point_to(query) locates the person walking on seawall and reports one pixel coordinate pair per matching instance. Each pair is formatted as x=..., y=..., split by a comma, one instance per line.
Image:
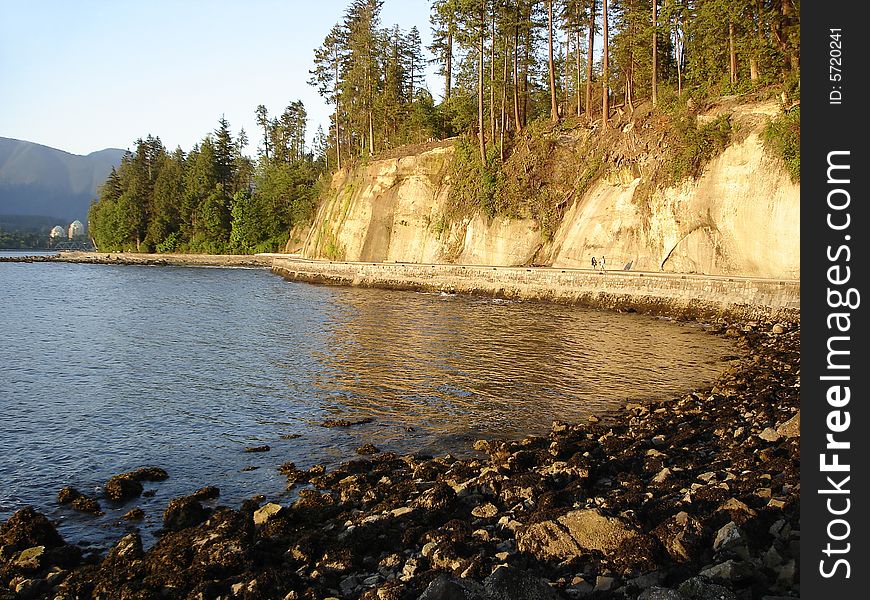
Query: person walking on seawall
x=594, y=263
x=603, y=262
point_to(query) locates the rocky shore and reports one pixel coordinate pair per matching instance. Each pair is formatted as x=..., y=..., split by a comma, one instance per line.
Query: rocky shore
x=694, y=498
x=135, y=258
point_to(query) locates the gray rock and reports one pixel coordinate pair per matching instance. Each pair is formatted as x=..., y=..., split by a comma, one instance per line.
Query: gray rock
x=445, y=587
x=508, y=583
x=729, y=538
x=604, y=583
x=659, y=593
x=698, y=588
x=728, y=571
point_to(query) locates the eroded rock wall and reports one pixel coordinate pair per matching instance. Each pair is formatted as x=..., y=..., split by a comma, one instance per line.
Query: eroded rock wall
x=740, y=217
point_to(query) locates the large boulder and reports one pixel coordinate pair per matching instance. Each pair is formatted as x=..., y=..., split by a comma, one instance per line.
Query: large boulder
x=584, y=531
x=28, y=528
x=184, y=512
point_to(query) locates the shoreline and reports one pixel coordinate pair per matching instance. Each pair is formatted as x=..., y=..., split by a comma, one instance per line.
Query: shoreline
x=683, y=499
x=683, y=296
x=690, y=498
x=134, y=258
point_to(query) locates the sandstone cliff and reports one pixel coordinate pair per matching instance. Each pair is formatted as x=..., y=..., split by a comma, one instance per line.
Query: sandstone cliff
x=741, y=216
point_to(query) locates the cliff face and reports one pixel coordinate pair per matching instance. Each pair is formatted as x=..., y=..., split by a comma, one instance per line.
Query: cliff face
x=740, y=217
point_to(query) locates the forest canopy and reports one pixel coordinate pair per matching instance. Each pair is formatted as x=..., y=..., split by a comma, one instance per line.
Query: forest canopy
x=505, y=64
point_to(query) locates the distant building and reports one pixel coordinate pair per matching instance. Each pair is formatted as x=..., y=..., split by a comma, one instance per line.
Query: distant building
x=56, y=232
x=76, y=229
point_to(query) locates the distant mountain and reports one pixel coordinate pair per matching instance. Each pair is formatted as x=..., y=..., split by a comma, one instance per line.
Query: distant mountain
x=36, y=180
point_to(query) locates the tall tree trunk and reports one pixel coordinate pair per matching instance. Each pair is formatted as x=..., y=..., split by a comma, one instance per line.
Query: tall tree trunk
x=502, y=124
x=337, y=122
x=449, y=66
x=516, y=79
x=577, y=60
x=605, y=74
x=480, y=132
x=526, y=61
x=554, y=103
x=655, y=53
x=590, y=59
x=492, y=78
x=754, y=70
x=567, y=84
x=732, y=53
x=371, y=134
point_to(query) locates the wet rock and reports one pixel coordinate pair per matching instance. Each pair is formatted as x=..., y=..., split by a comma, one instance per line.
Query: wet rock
x=29, y=588
x=183, y=512
x=135, y=514
x=209, y=492
x=366, y=449
x=78, y=501
x=27, y=528
x=263, y=448
x=122, y=487
x=149, y=474
x=330, y=423
x=438, y=497
x=128, y=548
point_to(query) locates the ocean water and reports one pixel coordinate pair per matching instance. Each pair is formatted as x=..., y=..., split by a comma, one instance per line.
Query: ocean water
x=104, y=369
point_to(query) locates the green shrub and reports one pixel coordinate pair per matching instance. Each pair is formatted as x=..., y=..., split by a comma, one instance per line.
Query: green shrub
x=782, y=136
x=694, y=146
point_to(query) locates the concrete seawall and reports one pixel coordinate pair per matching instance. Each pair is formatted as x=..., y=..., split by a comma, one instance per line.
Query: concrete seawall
x=676, y=295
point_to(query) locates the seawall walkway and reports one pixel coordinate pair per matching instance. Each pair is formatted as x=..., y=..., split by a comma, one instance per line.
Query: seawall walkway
x=673, y=294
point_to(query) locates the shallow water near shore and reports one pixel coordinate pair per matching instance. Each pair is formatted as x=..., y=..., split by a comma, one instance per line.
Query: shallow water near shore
x=109, y=368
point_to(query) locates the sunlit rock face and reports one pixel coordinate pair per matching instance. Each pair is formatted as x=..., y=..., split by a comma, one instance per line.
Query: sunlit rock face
x=740, y=217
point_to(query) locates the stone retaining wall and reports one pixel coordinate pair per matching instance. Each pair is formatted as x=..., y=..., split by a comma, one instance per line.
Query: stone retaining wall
x=682, y=296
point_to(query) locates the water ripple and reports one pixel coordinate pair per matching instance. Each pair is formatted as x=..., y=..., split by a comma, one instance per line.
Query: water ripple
x=106, y=369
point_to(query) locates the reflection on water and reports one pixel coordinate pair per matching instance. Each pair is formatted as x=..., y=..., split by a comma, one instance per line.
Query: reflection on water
x=109, y=368
x=471, y=366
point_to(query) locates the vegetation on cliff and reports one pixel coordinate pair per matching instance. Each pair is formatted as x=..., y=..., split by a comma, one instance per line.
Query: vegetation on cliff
x=212, y=199
x=519, y=79
x=506, y=65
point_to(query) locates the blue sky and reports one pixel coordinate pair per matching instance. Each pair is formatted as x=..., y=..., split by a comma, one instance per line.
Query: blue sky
x=85, y=75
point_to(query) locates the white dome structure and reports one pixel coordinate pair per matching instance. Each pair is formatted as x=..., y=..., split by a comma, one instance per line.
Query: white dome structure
x=56, y=232
x=76, y=229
